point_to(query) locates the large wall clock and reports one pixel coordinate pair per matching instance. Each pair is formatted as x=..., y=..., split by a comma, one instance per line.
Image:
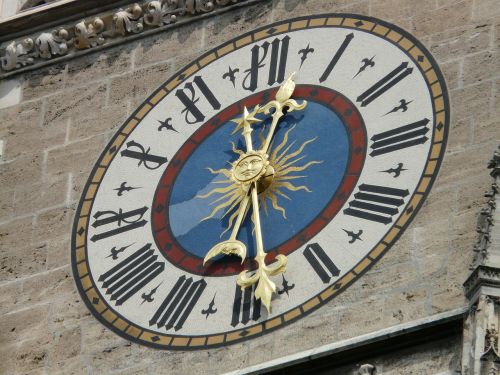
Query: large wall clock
x=353, y=154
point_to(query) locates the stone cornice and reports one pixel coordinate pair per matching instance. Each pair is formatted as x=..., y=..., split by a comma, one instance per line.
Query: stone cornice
x=65, y=40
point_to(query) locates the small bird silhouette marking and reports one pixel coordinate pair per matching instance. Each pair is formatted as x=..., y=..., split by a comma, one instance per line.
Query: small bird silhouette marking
x=354, y=236
x=304, y=52
x=231, y=75
x=286, y=286
x=114, y=251
x=148, y=297
x=123, y=188
x=166, y=125
x=210, y=309
x=366, y=63
x=397, y=171
x=403, y=107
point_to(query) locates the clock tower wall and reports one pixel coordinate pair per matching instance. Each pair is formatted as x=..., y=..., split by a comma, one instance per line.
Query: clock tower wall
x=61, y=105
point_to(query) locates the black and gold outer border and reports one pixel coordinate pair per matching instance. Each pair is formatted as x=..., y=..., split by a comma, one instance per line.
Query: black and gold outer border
x=391, y=33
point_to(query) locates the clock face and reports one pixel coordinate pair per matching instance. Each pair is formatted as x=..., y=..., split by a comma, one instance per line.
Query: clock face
x=337, y=185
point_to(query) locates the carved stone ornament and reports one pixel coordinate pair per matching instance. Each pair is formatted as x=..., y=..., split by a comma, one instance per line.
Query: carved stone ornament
x=367, y=369
x=105, y=29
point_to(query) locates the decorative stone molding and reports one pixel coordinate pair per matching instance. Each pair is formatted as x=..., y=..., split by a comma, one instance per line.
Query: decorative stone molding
x=367, y=369
x=105, y=30
x=481, y=327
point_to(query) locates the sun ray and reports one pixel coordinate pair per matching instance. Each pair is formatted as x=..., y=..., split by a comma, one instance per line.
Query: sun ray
x=221, y=190
x=220, y=207
x=282, y=144
x=236, y=150
x=295, y=153
x=301, y=168
x=292, y=187
x=225, y=172
x=276, y=206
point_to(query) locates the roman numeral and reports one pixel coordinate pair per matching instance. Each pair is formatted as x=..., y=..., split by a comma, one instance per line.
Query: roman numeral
x=245, y=306
x=396, y=139
x=137, y=151
x=336, y=57
x=277, y=63
x=178, y=304
x=321, y=262
x=191, y=110
x=376, y=203
x=132, y=274
x=124, y=221
x=384, y=84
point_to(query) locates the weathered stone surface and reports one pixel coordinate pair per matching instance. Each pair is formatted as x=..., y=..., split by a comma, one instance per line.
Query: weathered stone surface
x=24, y=324
x=24, y=170
x=58, y=285
x=489, y=63
x=472, y=101
x=53, y=223
x=436, y=20
x=45, y=81
x=461, y=134
x=65, y=346
x=34, y=197
x=69, y=312
x=485, y=9
x=165, y=46
x=21, y=261
x=76, y=102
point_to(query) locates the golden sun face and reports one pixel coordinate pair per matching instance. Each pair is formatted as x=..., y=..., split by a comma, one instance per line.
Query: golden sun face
x=283, y=160
x=248, y=167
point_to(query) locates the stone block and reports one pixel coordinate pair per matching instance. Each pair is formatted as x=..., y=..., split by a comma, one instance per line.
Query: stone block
x=9, y=297
x=6, y=204
x=471, y=193
x=34, y=197
x=32, y=354
x=98, y=339
x=24, y=170
x=437, y=209
x=452, y=72
x=66, y=346
x=74, y=366
x=58, y=284
x=138, y=84
x=487, y=130
x=386, y=278
x=392, y=10
x=69, y=312
x=232, y=24
x=58, y=252
x=485, y=9
x=16, y=234
x=96, y=123
x=480, y=67
x=24, y=325
x=472, y=101
x=166, y=45
x=112, y=359
x=99, y=66
x=461, y=165
x=21, y=261
x=432, y=248
x=8, y=355
x=405, y=306
x=454, y=43
x=53, y=223
x=460, y=135
x=45, y=81
x=433, y=21
x=77, y=102
x=10, y=92
x=370, y=311
x=294, y=8
x=77, y=157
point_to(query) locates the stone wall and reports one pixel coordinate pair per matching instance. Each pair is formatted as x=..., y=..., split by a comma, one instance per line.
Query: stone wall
x=68, y=112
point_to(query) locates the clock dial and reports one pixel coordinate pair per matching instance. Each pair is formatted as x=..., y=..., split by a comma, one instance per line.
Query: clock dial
x=339, y=183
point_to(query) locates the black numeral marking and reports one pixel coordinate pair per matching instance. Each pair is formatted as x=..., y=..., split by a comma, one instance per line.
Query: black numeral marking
x=131, y=275
x=137, y=151
x=245, y=306
x=277, y=63
x=191, y=110
x=384, y=84
x=321, y=262
x=178, y=304
x=336, y=57
x=376, y=203
x=396, y=139
x=124, y=221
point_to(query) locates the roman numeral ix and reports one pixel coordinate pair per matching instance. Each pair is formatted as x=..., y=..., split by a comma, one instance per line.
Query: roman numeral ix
x=396, y=139
x=131, y=275
x=178, y=304
x=376, y=203
x=321, y=262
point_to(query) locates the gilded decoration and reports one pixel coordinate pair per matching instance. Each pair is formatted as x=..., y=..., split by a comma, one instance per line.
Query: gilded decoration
x=103, y=30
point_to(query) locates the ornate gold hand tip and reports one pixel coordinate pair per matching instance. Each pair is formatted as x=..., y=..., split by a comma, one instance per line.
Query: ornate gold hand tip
x=286, y=89
x=229, y=247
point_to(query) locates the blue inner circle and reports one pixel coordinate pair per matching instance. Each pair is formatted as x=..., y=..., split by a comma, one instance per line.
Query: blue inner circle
x=331, y=147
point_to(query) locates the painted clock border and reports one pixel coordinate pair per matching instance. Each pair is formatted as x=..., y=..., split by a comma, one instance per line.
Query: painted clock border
x=440, y=103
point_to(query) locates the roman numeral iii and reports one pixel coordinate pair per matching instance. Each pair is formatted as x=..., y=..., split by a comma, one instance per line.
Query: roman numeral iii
x=376, y=203
x=131, y=275
x=396, y=139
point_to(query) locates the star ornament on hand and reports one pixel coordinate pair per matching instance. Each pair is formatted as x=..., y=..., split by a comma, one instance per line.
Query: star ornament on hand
x=247, y=120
